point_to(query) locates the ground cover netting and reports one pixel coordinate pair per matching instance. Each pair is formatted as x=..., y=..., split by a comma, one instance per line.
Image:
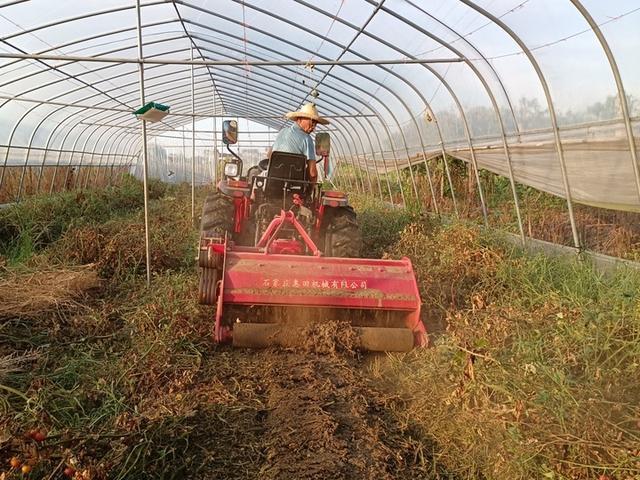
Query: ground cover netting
x=532, y=373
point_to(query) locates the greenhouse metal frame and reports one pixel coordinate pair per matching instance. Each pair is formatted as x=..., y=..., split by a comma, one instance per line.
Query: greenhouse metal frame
x=544, y=93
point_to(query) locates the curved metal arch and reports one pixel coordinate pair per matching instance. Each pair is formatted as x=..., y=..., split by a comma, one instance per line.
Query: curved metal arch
x=486, y=62
x=552, y=112
x=497, y=112
x=359, y=120
x=44, y=156
x=359, y=138
x=367, y=105
x=132, y=72
x=60, y=150
x=91, y=164
x=400, y=100
x=118, y=135
x=9, y=143
x=112, y=132
x=460, y=108
x=82, y=153
x=239, y=83
x=29, y=147
x=72, y=153
x=622, y=96
x=343, y=179
x=132, y=154
x=320, y=56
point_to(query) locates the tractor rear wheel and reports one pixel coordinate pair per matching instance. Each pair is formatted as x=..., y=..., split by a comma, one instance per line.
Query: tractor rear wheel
x=217, y=216
x=343, y=237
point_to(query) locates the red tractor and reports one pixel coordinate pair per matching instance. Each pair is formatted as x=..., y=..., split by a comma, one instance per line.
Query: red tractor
x=277, y=252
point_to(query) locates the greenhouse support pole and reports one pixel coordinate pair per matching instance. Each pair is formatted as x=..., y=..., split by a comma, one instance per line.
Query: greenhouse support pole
x=341, y=179
x=183, y=165
x=193, y=144
x=373, y=152
x=61, y=148
x=101, y=156
x=373, y=157
x=116, y=139
x=395, y=163
x=114, y=147
x=344, y=179
x=44, y=157
x=73, y=172
x=214, y=175
x=552, y=112
x=144, y=147
x=347, y=148
x=622, y=96
x=93, y=165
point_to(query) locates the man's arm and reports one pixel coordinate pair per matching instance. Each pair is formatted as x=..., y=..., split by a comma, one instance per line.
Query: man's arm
x=313, y=171
x=311, y=159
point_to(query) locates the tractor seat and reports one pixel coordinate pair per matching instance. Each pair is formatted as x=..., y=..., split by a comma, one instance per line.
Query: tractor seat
x=286, y=168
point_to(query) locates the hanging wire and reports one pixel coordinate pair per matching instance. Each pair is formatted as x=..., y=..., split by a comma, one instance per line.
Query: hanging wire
x=333, y=21
x=309, y=67
x=533, y=48
x=468, y=34
x=568, y=37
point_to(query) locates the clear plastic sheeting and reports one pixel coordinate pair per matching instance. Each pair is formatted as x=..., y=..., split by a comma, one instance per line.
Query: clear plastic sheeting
x=544, y=92
x=597, y=159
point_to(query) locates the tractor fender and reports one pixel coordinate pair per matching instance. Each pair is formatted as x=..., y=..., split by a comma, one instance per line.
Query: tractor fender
x=234, y=188
x=334, y=199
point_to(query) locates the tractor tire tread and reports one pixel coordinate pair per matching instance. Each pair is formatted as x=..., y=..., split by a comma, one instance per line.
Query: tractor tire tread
x=217, y=215
x=344, y=238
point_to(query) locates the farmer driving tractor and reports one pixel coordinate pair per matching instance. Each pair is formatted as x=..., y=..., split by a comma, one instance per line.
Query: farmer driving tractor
x=296, y=137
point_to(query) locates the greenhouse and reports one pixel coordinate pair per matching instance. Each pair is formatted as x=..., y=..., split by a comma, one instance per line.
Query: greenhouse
x=509, y=119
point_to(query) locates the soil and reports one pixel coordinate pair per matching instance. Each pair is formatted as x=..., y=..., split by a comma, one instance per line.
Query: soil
x=308, y=415
x=309, y=412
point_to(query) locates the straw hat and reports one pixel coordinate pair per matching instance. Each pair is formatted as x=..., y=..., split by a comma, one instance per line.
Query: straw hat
x=308, y=110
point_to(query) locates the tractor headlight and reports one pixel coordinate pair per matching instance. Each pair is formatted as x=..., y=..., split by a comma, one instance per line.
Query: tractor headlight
x=231, y=169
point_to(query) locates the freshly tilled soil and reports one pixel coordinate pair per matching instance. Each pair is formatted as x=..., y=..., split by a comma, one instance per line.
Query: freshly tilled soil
x=309, y=414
